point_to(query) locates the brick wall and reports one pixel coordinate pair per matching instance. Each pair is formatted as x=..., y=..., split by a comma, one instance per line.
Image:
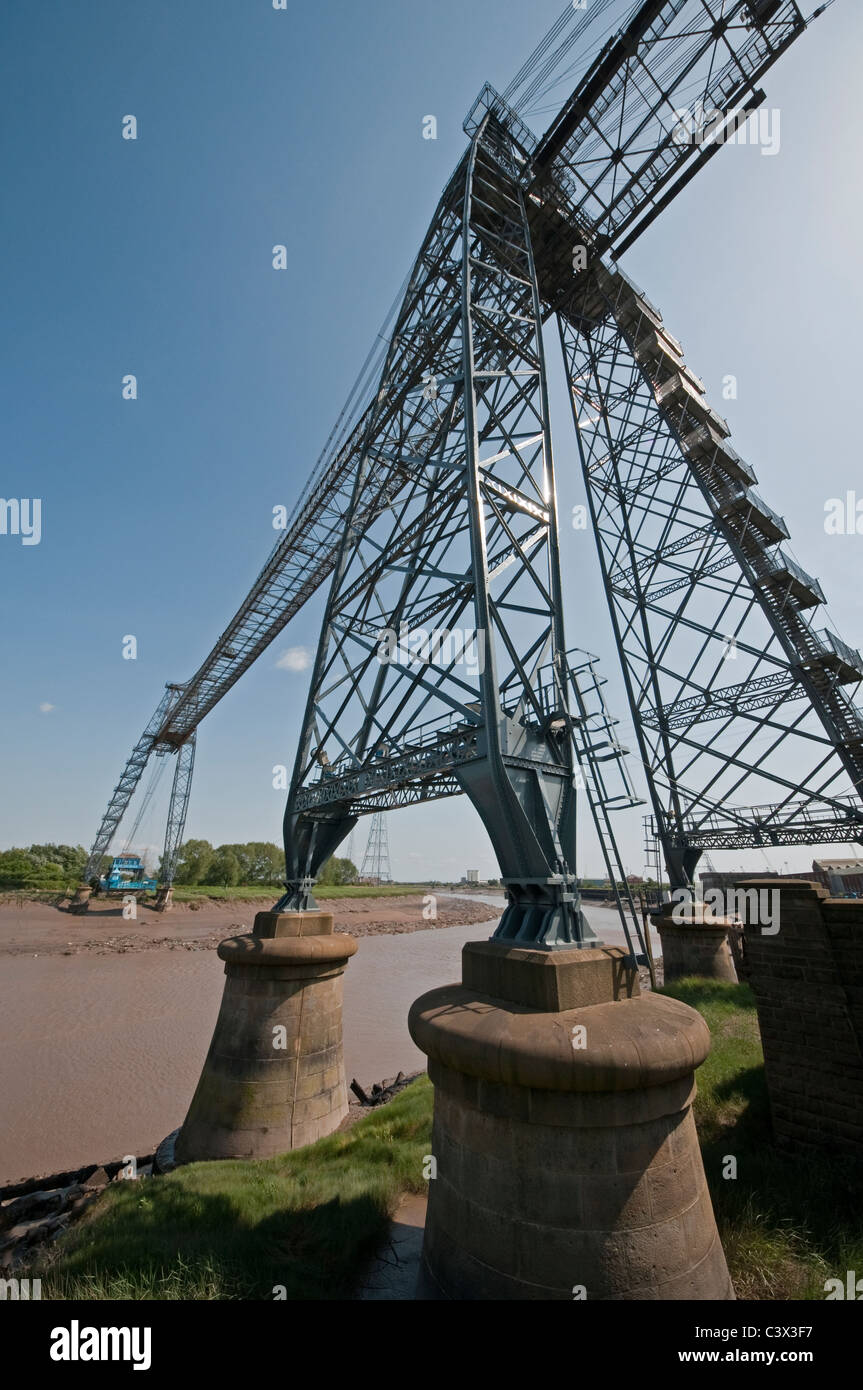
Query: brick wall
x=808, y=984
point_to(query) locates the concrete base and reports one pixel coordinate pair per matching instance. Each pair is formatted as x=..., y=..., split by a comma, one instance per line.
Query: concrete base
x=164, y=900
x=81, y=900
x=274, y=1077
x=700, y=948
x=567, y=1160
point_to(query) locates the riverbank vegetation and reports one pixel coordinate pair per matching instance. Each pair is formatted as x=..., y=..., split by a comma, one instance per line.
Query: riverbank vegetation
x=323, y=892
x=302, y=1223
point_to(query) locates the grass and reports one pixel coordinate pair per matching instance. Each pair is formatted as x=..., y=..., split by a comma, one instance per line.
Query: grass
x=787, y=1223
x=238, y=1230
x=204, y=892
x=308, y=1220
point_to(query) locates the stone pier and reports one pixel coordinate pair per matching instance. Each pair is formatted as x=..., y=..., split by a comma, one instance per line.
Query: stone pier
x=164, y=900
x=274, y=1078
x=697, y=946
x=81, y=899
x=567, y=1162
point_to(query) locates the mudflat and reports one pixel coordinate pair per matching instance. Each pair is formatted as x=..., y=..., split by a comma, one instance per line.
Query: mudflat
x=43, y=928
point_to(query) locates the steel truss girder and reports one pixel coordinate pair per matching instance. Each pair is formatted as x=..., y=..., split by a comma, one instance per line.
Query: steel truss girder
x=406, y=794
x=662, y=483
x=764, y=692
x=616, y=155
x=810, y=833
x=475, y=498
x=755, y=827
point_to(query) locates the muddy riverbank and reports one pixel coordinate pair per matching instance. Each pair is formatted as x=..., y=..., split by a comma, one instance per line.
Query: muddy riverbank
x=102, y=1050
x=38, y=928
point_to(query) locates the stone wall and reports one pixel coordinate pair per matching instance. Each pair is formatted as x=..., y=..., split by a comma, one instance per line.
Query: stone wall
x=695, y=948
x=808, y=983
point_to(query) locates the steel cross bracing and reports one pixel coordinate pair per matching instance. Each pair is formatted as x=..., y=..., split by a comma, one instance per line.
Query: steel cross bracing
x=617, y=152
x=445, y=613
x=179, y=806
x=610, y=160
x=127, y=784
x=735, y=696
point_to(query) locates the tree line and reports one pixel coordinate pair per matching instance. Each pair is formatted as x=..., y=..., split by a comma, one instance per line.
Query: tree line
x=48, y=864
x=258, y=862
x=200, y=863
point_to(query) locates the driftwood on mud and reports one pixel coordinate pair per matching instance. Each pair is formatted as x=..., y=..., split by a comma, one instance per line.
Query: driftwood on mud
x=382, y=1091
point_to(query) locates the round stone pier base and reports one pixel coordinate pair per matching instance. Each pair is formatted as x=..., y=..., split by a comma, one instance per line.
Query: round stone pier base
x=164, y=900
x=274, y=1078
x=567, y=1163
x=696, y=948
x=81, y=899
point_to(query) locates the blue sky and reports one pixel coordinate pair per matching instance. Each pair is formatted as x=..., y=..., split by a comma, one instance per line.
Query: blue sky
x=153, y=257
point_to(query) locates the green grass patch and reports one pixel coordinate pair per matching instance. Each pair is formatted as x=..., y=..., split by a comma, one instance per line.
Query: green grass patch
x=238, y=1230
x=787, y=1223
x=368, y=890
x=204, y=893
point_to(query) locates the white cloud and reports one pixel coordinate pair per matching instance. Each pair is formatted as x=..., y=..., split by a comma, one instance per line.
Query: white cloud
x=45, y=707
x=295, y=659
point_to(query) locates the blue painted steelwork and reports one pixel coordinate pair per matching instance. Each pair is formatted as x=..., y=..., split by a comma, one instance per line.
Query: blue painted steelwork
x=127, y=875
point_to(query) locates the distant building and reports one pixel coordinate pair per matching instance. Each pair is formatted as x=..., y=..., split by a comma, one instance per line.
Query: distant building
x=726, y=880
x=841, y=877
x=472, y=876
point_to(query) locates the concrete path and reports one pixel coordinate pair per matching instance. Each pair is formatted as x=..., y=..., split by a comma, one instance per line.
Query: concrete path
x=392, y=1273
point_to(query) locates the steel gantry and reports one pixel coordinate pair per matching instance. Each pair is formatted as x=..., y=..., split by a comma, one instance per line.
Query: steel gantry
x=442, y=665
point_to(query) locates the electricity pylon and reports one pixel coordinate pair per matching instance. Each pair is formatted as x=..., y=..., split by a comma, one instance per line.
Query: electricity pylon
x=376, y=860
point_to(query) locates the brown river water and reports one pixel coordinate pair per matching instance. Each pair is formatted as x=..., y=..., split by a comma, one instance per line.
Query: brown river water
x=101, y=1053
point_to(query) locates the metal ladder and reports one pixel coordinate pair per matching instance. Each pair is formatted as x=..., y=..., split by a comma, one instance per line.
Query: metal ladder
x=599, y=752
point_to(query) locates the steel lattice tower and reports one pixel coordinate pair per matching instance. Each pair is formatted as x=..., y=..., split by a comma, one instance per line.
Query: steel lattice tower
x=442, y=661
x=376, y=860
x=745, y=725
